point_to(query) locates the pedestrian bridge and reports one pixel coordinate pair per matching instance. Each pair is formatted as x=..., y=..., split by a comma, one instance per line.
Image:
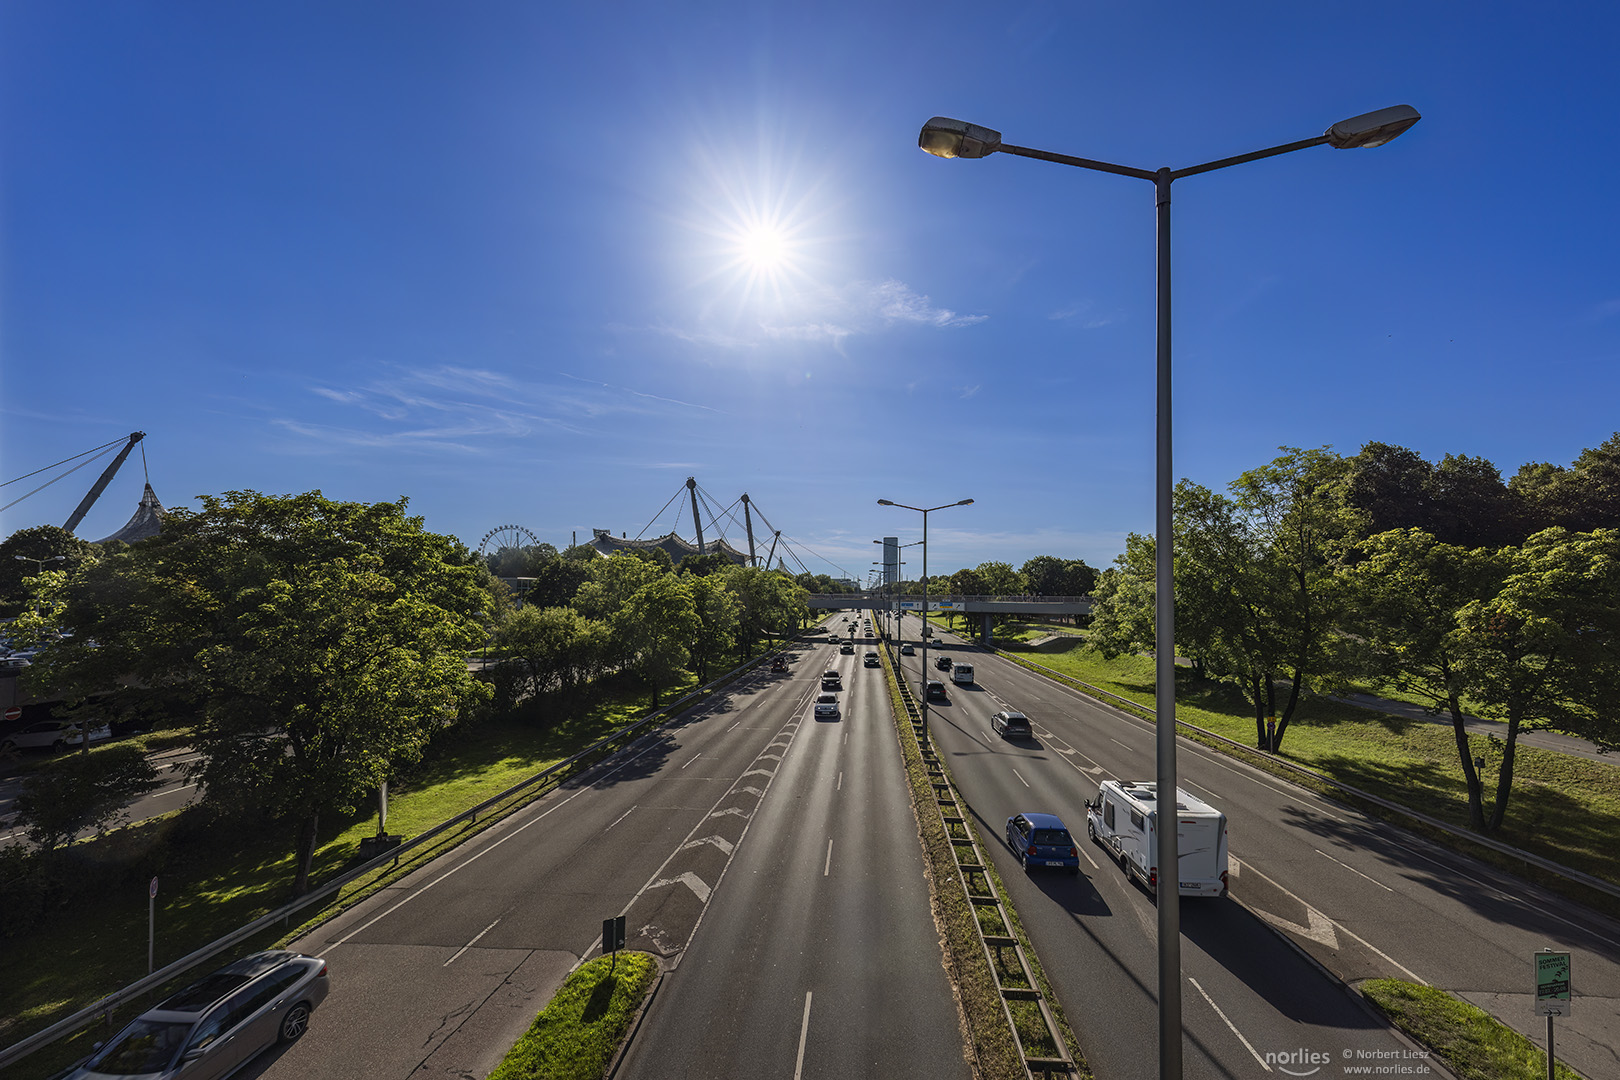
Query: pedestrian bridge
x=990, y=605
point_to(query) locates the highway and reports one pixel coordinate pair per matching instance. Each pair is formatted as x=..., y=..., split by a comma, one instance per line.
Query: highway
x=783, y=843
x=1361, y=898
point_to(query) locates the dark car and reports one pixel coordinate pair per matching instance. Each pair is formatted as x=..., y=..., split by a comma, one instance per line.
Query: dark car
x=871, y=660
x=1042, y=840
x=943, y=663
x=216, y=1025
x=935, y=691
x=908, y=649
x=779, y=664
x=831, y=680
x=1011, y=725
x=848, y=647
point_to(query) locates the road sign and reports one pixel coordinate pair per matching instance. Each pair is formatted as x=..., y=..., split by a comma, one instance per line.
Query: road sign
x=151, y=890
x=1552, y=984
x=14, y=713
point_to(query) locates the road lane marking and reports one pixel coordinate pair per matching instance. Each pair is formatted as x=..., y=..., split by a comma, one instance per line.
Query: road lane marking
x=1021, y=780
x=620, y=818
x=1229, y=1024
x=1116, y=742
x=694, y=758
x=173, y=791
x=840, y=781
x=734, y=727
x=1202, y=788
x=1353, y=870
x=1339, y=926
x=470, y=944
x=825, y=870
x=1081, y=849
x=699, y=887
x=804, y=1030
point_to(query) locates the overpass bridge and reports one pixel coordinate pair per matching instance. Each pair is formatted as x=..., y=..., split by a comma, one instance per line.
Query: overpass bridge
x=986, y=606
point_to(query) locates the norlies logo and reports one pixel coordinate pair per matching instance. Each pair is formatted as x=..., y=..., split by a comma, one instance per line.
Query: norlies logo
x=1314, y=1059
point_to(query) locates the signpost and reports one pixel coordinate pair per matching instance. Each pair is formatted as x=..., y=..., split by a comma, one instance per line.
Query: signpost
x=1552, y=993
x=613, y=939
x=14, y=713
x=151, y=921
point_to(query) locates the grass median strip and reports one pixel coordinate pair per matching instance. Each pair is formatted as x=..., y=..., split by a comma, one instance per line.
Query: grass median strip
x=1473, y=1044
x=577, y=1034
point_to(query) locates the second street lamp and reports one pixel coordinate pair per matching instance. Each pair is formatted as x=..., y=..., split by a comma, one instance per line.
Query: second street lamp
x=924, y=513
x=947, y=138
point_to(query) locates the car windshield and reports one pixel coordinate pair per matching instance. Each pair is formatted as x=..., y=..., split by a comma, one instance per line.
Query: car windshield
x=1051, y=836
x=146, y=1046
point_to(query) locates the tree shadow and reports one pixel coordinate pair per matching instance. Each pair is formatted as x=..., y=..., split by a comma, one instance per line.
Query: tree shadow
x=596, y=1006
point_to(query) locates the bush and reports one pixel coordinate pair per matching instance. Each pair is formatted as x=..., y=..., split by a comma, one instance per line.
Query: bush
x=29, y=888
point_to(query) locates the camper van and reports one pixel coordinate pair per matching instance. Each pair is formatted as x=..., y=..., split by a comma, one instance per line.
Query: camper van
x=1125, y=820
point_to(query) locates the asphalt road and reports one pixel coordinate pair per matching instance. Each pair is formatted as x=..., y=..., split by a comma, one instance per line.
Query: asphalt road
x=1361, y=898
x=175, y=793
x=440, y=974
x=820, y=958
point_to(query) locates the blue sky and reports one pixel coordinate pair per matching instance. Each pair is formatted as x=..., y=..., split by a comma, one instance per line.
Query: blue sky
x=538, y=263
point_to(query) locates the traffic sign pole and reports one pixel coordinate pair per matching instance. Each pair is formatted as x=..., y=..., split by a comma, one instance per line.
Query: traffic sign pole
x=1552, y=993
x=151, y=922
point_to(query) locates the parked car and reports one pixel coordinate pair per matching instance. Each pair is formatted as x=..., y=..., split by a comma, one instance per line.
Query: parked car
x=826, y=706
x=908, y=649
x=871, y=660
x=1010, y=725
x=218, y=1024
x=52, y=735
x=1042, y=840
x=935, y=691
x=943, y=663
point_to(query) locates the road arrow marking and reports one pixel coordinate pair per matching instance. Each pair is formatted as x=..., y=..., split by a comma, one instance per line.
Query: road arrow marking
x=1320, y=929
x=718, y=841
x=691, y=881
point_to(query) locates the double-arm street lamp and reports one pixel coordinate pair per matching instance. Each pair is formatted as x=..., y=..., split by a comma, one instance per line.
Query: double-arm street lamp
x=948, y=138
x=40, y=563
x=925, y=513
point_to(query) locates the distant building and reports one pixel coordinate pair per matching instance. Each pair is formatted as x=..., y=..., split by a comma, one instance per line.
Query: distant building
x=147, y=520
x=677, y=549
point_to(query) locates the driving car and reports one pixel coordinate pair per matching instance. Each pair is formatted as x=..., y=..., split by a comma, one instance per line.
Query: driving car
x=1011, y=724
x=831, y=680
x=218, y=1024
x=935, y=691
x=943, y=663
x=871, y=660
x=1042, y=840
x=908, y=650
x=779, y=664
x=827, y=705
x=847, y=647
x=52, y=735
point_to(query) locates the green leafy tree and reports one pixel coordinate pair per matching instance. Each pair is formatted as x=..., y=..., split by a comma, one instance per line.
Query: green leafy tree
x=556, y=648
x=658, y=625
x=320, y=643
x=556, y=581
x=1122, y=614
x=82, y=792
x=704, y=565
x=28, y=552
x=1406, y=596
x=717, y=613
x=1544, y=652
x=771, y=604
x=606, y=594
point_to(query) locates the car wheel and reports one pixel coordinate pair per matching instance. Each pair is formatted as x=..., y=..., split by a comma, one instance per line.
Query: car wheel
x=1024, y=858
x=294, y=1024
x=1091, y=832
x=58, y=746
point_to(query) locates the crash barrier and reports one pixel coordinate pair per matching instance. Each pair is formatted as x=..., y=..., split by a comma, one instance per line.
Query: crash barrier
x=1529, y=858
x=973, y=876
x=587, y=757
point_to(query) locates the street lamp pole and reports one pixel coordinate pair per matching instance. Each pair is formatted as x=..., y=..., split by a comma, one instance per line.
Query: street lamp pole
x=40, y=563
x=944, y=137
x=925, y=513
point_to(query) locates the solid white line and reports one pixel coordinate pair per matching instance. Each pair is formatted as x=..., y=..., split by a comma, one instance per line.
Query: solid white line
x=1353, y=870
x=1337, y=925
x=694, y=758
x=173, y=791
x=1082, y=850
x=1229, y=1024
x=620, y=818
x=470, y=944
x=1116, y=742
x=825, y=870
x=1202, y=788
x=1021, y=780
x=804, y=1030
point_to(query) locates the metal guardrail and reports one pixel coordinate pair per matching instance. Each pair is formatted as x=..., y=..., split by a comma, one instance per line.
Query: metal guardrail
x=68, y=1025
x=1530, y=858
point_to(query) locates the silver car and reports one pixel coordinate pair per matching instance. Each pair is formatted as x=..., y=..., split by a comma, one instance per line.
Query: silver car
x=217, y=1025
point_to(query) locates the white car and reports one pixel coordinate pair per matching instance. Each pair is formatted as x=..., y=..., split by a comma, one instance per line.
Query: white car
x=53, y=735
x=827, y=706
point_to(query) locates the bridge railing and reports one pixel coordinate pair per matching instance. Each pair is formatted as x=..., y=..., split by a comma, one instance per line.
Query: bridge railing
x=936, y=598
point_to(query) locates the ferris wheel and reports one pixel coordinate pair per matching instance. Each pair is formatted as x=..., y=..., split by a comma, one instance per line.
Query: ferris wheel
x=507, y=538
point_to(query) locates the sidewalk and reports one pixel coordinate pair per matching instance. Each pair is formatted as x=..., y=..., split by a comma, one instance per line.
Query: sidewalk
x=1545, y=740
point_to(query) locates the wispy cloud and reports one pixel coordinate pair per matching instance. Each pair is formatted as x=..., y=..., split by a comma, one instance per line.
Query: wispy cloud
x=969, y=391
x=1083, y=312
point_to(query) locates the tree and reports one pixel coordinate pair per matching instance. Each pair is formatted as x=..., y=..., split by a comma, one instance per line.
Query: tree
x=555, y=647
x=322, y=644
x=657, y=625
x=83, y=792
x=1393, y=486
x=1122, y=613
x=770, y=604
x=556, y=581
x=613, y=581
x=1406, y=595
x=1472, y=506
x=43, y=542
x=1544, y=652
x=715, y=635
x=1581, y=498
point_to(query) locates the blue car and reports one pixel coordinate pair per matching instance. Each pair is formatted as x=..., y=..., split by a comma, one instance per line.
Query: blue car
x=1042, y=840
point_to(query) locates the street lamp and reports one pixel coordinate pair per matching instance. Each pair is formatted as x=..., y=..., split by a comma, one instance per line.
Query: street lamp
x=924, y=542
x=947, y=138
x=40, y=563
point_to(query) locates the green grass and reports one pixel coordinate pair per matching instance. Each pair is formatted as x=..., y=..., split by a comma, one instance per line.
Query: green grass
x=576, y=1036
x=1474, y=1045
x=1562, y=807
x=213, y=883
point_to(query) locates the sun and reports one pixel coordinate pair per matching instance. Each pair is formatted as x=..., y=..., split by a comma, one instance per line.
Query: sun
x=763, y=247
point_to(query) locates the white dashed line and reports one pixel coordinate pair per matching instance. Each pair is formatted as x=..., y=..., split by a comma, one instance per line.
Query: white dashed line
x=825, y=870
x=1229, y=1024
x=1021, y=780
x=470, y=944
x=804, y=1030
x=695, y=757
x=1353, y=870
x=620, y=818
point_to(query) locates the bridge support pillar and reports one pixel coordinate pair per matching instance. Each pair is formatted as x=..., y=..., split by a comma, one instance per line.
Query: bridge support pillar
x=985, y=634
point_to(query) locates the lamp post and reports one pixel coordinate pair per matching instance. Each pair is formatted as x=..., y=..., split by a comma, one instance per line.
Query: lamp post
x=947, y=138
x=894, y=583
x=924, y=542
x=40, y=563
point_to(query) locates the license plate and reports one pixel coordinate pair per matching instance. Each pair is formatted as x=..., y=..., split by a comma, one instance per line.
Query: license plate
x=1053, y=862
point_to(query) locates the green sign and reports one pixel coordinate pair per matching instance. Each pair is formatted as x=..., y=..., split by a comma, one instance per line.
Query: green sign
x=1552, y=983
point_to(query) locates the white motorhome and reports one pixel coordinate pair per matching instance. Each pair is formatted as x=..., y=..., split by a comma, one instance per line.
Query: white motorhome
x=1125, y=820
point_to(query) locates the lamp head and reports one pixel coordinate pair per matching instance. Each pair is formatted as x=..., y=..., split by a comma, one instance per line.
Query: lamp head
x=883, y=502
x=947, y=138
x=965, y=502
x=1372, y=129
